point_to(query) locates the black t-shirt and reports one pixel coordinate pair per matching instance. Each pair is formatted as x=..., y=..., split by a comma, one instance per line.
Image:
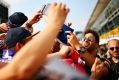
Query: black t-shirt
x=113, y=70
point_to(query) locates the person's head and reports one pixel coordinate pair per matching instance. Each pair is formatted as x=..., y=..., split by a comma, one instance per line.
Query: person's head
x=91, y=39
x=102, y=49
x=113, y=48
x=17, y=19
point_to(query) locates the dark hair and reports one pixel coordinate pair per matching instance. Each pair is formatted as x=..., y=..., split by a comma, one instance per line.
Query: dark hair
x=94, y=33
x=17, y=18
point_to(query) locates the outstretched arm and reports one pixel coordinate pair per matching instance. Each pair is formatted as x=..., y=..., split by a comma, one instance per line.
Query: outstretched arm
x=28, y=24
x=27, y=61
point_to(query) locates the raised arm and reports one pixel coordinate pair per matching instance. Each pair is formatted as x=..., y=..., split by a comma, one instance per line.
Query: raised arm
x=98, y=69
x=27, y=61
x=36, y=17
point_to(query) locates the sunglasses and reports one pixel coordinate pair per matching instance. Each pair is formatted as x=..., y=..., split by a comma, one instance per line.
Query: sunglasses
x=112, y=48
x=89, y=39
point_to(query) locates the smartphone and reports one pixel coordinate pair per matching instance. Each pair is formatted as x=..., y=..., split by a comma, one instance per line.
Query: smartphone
x=62, y=37
x=45, y=9
x=42, y=8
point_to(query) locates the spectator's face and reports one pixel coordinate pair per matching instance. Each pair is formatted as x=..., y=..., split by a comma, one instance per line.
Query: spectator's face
x=102, y=49
x=113, y=47
x=89, y=41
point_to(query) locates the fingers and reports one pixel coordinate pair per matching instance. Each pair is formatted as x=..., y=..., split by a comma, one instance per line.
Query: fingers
x=57, y=14
x=54, y=4
x=69, y=24
x=61, y=6
x=69, y=37
x=2, y=30
x=67, y=10
x=4, y=27
x=96, y=65
x=39, y=15
x=97, y=61
x=36, y=18
x=69, y=33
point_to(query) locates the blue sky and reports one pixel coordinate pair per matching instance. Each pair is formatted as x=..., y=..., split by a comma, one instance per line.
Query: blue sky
x=80, y=11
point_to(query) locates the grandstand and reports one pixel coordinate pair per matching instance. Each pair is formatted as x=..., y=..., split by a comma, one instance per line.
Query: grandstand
x=105, y=18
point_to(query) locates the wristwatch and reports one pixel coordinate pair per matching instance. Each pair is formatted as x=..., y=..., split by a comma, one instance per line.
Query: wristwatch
x=82, y=50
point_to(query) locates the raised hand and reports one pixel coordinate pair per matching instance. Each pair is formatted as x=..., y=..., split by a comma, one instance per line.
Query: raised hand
x=4, y=27
x=57, y=15
x=72, y=40
x=96, y=65
x=35, y=18
x=98, y=69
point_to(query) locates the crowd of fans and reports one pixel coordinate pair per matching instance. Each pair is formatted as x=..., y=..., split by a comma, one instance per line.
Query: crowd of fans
x=23, y=56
